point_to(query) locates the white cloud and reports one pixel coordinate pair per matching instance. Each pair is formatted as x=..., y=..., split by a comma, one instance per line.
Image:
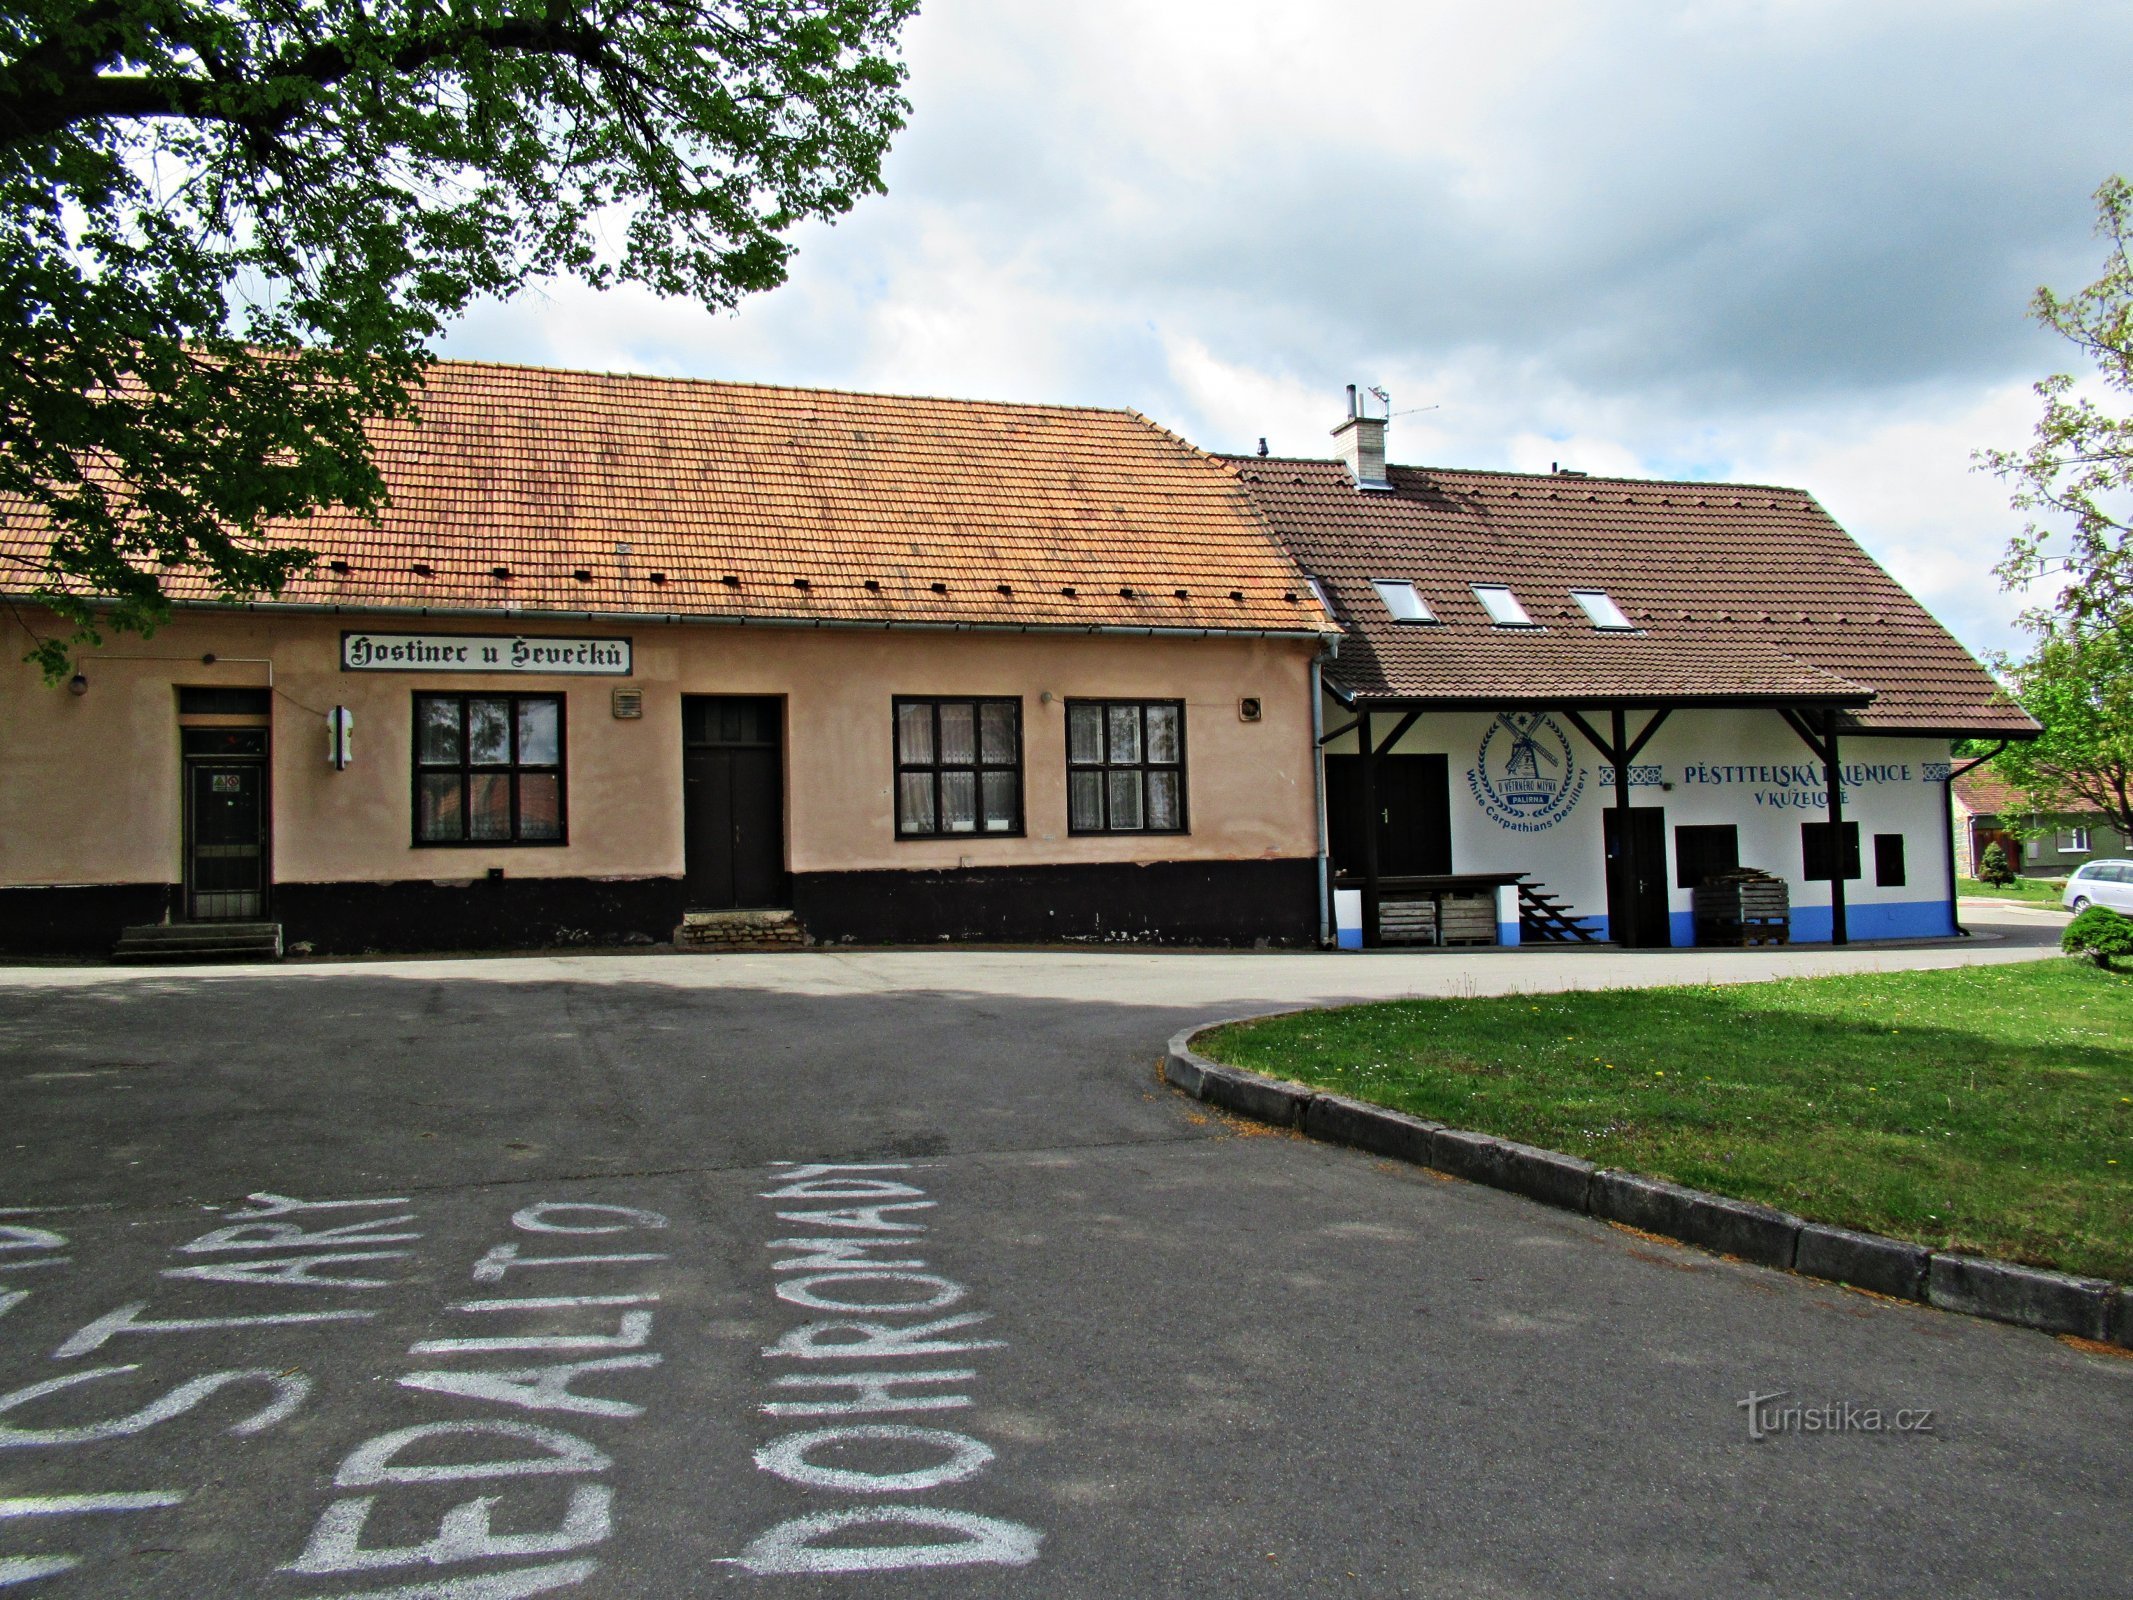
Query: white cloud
x=1768, y=239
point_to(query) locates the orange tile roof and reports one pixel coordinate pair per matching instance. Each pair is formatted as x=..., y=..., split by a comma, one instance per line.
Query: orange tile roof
x=1740, y=593
x=615, y=495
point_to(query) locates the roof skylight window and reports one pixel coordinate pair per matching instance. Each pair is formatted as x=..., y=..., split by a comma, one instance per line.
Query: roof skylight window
x=1600, y=606
x=1502, y=606
x=1403, y=600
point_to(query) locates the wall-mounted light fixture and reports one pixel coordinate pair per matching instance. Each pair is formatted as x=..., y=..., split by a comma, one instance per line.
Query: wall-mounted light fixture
x=340, y=738
x=78, y=684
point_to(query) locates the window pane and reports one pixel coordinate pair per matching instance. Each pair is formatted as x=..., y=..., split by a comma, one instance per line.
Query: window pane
x=437, y=807
x=1163, y=733
x=959, y=736
x=915, y=793
x=914, y=736
x=1085, y=734
x=489, y=805
x=959, y=802
x=437, y=732
x=489, y=732
x=1163, y=808
x=996, y=743
x=1085, y=800
x=539, y=733
x=540, y=805
x=999, y=802
x=1125, y=733
x=1125, y=800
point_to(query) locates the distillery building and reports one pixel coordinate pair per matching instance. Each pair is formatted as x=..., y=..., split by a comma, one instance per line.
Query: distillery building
x=1582, y=709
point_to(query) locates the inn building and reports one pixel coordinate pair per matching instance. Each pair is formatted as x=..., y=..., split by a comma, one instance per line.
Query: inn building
x=630, y=657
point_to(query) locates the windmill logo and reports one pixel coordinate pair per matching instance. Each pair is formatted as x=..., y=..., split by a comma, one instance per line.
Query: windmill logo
x=1526, y=775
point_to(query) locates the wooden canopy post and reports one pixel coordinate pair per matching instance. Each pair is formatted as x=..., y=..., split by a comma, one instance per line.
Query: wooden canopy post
x=1367, y=792
x=1821, y=742
x=1839, y=931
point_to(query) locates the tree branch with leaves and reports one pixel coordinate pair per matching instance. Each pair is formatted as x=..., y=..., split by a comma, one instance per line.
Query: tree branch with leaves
x=2075, y=478
x=231, y=231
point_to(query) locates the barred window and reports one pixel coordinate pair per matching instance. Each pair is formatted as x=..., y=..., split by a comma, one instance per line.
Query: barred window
x=958, y=766
x=488, y=769
x=1126, y=766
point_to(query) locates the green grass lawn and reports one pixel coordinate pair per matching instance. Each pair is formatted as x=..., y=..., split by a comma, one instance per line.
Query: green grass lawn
x=1985, y=1108
x=2042, y=890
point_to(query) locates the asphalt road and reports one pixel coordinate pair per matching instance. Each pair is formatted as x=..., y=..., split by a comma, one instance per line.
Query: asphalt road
x=1141, y=1352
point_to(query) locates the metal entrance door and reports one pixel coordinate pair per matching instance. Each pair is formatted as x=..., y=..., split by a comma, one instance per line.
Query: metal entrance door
x=1636, y=897
x=225, y=824
x=733, y=802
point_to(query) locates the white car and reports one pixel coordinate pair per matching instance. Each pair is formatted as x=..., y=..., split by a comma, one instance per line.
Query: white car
x=2100, y=883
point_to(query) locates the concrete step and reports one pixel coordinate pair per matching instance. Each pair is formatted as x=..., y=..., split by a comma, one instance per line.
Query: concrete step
x=200, y=941
x=739, y=930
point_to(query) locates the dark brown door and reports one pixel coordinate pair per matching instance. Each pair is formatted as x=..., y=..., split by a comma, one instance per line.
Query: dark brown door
x=1636, y=889
x=1414, y=819
x=733, y=802
x=225, y=824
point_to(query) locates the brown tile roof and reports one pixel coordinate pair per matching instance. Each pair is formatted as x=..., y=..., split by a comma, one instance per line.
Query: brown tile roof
x=1741, y=593
x=1984, y=793
x=616, y=495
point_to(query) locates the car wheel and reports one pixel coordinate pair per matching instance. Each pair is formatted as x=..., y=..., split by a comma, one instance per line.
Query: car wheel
x=2081, y=904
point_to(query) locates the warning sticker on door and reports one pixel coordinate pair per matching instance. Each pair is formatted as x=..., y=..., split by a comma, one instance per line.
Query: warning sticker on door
x=225, y=783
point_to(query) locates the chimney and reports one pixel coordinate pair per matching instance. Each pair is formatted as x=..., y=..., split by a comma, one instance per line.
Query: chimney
x=1362, y=446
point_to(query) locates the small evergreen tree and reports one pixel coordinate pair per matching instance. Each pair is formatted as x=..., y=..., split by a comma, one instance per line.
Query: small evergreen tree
x=1992, y=868
x=2099, y=933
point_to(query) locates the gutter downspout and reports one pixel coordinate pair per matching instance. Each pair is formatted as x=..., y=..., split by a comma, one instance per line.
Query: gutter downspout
x=1327, y=652
x=1947, y=822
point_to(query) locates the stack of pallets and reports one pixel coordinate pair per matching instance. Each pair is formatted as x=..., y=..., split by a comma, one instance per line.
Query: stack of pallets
x=1743, y=907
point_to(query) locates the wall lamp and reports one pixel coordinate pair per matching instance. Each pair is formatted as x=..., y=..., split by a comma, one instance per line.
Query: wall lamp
x=78, y=684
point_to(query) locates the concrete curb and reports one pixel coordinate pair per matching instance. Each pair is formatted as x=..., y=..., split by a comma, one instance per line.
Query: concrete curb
x=2028, y=1297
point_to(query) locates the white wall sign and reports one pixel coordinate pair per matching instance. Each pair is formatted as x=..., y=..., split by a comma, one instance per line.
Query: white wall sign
x=484, y=652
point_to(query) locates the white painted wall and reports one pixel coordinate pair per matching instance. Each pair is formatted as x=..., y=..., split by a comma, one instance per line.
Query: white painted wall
x=1747, y=768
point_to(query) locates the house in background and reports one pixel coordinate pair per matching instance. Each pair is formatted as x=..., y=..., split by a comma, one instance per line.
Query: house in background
x=629, y=655
x=2055, y=843
x=1595, y=694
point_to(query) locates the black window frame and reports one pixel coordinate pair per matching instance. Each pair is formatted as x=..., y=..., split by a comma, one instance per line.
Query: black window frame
x=1889, y=870
x=467, y=768
x=978, y=766
x=1816, y=850
x=1694, y=855
x=1143, y=766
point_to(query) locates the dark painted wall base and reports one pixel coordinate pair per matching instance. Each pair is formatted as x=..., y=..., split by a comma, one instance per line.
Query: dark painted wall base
x=1166, y=902
x=1169, y=902
x=83, y=921
x=487, y=914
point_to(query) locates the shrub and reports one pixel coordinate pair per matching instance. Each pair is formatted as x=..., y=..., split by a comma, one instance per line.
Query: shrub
x=2098, y=933
x=1992, y=867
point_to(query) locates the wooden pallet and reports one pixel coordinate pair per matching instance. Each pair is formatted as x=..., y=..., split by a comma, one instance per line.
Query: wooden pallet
x=1468, y=919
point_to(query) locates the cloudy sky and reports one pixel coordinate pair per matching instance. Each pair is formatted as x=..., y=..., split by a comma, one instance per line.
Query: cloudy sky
x=1779, y=241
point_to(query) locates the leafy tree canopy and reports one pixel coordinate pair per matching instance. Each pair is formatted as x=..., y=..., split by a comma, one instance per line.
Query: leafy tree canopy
x=2078, y=683
x=2077, y=473
x=232, y=229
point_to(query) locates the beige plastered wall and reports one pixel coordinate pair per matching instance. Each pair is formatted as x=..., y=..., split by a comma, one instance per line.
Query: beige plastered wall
x=90, y=784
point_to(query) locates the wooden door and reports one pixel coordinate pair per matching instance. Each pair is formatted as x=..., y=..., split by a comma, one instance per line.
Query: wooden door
x=1636, y=891
x=733, y=802
x=1414, y=820
x=225, y=824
